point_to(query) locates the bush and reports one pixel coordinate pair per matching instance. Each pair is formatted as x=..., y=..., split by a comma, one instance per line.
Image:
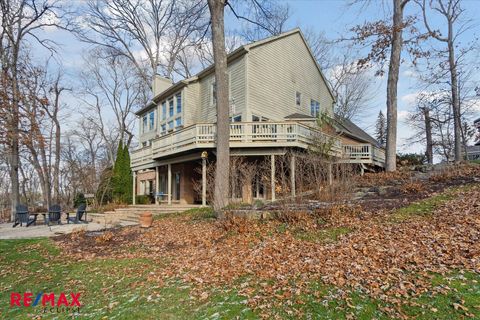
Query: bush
x=79, y=199
x=411, y=159
x=142, y=199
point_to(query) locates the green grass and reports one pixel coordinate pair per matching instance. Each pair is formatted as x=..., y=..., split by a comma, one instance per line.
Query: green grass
x=425, y=207
x=323, y=235
x=111, y=288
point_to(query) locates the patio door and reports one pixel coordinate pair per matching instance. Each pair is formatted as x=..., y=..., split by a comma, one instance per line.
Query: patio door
x=176, y=186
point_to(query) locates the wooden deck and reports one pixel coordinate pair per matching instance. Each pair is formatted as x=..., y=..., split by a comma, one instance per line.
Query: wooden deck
x=253, y=135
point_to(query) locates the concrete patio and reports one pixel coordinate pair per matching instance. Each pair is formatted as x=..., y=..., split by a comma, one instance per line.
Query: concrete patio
x=41, y=230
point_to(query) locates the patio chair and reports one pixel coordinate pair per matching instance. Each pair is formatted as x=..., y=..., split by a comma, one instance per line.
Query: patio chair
x=22, y=216
x=54, y=214
x=81, y=210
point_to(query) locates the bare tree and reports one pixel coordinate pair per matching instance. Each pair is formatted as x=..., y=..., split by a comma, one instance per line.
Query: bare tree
x=451, y=11
x=108, y=81
x=156, y=27
x=21, y=20
x=222, y=191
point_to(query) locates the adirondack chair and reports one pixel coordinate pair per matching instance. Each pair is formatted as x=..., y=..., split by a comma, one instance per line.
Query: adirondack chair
x=54, y=214
x=22, y=216
x=81, y=210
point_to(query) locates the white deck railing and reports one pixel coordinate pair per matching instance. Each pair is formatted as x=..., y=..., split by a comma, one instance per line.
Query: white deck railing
x=252, y=134
x=363, y=153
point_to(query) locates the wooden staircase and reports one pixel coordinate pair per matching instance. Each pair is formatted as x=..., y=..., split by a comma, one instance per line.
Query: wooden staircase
x=129, y=215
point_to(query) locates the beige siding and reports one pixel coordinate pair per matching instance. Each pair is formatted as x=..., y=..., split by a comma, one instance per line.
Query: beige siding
x=276, y=71
x=206, y=111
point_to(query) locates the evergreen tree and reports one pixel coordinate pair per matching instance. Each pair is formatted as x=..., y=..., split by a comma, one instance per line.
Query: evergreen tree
x=381, y=129
x=122, y=178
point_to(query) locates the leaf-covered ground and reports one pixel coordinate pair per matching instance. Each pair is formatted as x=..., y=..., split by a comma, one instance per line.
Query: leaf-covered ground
x=420, y=261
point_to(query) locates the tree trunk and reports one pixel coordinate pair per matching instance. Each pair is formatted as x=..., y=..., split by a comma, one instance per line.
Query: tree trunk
x=455, y=96
x=223, y=126
x=428, y=135
x=392, y=83
x=15, y=134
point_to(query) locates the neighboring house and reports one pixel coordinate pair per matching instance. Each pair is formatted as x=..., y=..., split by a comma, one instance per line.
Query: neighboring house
x=276, y=92
x=473, y=152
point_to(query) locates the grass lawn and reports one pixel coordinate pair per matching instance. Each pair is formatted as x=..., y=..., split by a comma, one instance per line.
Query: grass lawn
x=120, y=289
x=372, y=266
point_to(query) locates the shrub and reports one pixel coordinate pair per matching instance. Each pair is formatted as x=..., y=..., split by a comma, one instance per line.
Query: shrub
x=79, y=199
x=411, y=159
x=142, y=199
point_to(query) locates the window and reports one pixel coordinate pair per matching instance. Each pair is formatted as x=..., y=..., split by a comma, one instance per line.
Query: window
x=236, y=118
x=164, y=128
x=298, y=98
x=179, y=103
x=170, y=125
x=152, y=120
x=314, y=108
x=214, y=93
x=145, y=122
x=144, y=144
x=170, y=107
x=258, y=118
x=178, y=122
x=164, y=110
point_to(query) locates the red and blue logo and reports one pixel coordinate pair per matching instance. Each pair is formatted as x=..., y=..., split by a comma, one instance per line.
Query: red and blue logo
x=46, y=300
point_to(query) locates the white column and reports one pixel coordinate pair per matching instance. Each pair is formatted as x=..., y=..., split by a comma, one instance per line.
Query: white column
x=272, y=177
x=204, y=182
x=157, y=184
x=169, y=181
x=134, y=173
x=292, y=175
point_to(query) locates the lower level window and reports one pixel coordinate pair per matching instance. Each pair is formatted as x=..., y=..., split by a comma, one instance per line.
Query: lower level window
x=164, y=128
x=170, y=125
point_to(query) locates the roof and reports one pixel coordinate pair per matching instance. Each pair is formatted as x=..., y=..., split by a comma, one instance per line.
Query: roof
x=348, y=127
x=242, y=50
x=299, y=116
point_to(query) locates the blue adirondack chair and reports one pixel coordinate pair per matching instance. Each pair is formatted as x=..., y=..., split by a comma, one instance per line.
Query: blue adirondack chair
x=81, y=211
x=54, y=214
x=22, y=216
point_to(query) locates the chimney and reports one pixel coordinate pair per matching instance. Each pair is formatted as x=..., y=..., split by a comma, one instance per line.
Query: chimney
x=160, y=84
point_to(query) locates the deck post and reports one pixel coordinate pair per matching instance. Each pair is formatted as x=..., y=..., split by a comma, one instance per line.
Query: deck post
x=330, y=173
x=157, y=184
x=292, y=175
x=134, y=174
x=204, y=179
x=169, y=182
x=272, y=177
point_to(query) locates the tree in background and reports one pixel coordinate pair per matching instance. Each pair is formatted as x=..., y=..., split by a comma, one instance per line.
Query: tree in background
x=381, y=129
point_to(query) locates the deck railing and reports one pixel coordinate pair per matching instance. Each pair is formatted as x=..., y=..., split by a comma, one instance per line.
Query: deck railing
x=251, y=134
x=365, y=153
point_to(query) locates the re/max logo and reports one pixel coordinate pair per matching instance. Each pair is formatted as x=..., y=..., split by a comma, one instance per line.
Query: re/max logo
x=44, y=299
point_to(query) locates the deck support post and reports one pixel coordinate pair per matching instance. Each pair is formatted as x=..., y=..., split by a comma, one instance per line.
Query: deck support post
x=134, y=191
x=272, y=177
x=330, y=174
x=292, y=175
x=169, y=182
x=204, y=181
x=157, y=185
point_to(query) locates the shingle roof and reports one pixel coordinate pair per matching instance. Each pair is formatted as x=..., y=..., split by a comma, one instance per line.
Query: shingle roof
x=347, y=126
x=299, y=116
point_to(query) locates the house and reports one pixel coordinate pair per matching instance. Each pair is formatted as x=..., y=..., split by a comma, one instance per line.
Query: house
x=473, y=152
x=276, y=93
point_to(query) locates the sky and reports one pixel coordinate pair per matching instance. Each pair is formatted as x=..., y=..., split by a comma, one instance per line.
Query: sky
x=335, y=18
